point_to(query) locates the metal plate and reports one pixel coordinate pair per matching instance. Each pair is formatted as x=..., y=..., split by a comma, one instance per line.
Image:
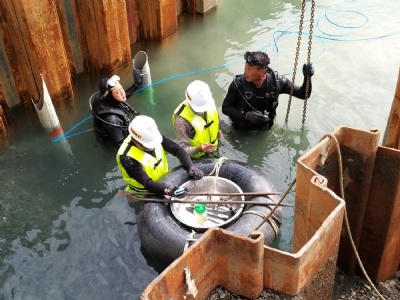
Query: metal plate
x=218, y=214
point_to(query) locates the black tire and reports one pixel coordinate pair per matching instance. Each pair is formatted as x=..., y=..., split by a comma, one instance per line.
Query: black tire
x=164, y=238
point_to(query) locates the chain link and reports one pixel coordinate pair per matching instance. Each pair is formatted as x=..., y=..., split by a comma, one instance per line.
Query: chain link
x=303, y=5
x=308, y=60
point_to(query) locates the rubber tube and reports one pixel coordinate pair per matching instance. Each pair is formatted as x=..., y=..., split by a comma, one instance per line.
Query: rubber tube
x=164, y=238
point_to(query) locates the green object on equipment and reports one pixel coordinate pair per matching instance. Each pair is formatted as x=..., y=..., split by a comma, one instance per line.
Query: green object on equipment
x=200, y=208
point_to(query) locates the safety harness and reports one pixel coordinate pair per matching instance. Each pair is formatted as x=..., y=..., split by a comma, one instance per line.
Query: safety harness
x=246, y=95
x=124, y=110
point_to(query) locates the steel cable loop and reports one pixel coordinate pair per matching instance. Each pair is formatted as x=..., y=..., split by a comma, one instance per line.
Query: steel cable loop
x=261, y=214
x=276, y=206
x=340, y=165
x=273, y=222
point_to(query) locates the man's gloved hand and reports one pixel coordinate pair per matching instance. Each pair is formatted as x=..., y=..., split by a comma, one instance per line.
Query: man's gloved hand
x=178, y=192
x=137, y=77
x=256, y=118
x=196, y=173
x=308, y=69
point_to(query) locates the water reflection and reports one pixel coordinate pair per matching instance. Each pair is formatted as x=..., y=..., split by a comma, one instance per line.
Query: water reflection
x=99, y=257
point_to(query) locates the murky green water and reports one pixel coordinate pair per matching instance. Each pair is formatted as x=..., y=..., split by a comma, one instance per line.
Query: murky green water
x=62, y=229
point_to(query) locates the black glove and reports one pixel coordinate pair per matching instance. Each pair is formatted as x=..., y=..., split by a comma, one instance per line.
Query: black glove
x=137, y=77
x=196, y=173
x=256, y=118
x=178, y=192
x=308, y=69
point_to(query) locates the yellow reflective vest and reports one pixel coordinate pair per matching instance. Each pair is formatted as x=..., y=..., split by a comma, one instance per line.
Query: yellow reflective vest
x=155, y=167
x=206, y=130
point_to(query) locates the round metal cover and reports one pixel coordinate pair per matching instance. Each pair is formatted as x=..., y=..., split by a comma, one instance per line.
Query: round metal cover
x=217, y=214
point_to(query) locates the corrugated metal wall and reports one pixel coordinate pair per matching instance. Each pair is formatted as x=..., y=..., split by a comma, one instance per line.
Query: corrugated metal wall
x=61, y=39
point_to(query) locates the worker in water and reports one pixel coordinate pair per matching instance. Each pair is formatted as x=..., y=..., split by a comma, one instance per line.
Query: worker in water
x=252, y=97
x=196, y=121
x=112, y=114
x=142, y=159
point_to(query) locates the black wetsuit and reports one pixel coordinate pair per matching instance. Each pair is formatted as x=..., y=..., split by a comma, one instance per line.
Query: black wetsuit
x=135, y=169
x=111, y=118
x=244, y=96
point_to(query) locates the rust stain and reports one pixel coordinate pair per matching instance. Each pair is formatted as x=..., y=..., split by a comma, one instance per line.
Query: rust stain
x=37, y=40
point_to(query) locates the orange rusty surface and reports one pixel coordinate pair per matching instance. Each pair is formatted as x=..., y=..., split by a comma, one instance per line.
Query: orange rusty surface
x=219, y=257
x=358, y=149
x=62, y=39
x=18, y=84
x=168, y=22
x=90, y=42
x=371, y=185
x=158, y=19
x=292, y=274
x=41, y=32
x=191, y=7
x=380, y=241
x=132, y=11
x=68, y=21
x=392, y=134
x=112, y=33
x=4, y=140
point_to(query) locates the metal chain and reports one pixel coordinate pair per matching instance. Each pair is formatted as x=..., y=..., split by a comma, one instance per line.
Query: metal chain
x=308, y=60
x=303, y=5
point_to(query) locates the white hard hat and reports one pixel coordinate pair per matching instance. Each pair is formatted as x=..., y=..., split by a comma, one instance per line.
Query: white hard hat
x=144, y=130
x=199, y=97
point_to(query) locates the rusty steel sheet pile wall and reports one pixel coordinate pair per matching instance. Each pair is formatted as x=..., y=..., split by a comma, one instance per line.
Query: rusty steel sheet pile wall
x=392, y=134
x=113, y=36
x=134, y=23
x=157, y=19
x=358, y=149
x=33, y=37
x=61, y=39
x=219, y=257
x=4, y=141
x=380, y=241
x=41, y=33
x=310, y=270
x=18, y=84
x=371, y=191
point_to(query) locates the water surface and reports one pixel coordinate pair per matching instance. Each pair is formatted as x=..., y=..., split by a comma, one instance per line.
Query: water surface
x=63, y=231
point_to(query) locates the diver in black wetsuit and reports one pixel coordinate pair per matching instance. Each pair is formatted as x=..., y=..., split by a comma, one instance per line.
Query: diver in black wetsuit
x=111, y=113
x=252, y=97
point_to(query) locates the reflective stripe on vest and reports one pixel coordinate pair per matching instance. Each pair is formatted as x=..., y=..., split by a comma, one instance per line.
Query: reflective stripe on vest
x=205, y=132
x=155, y=167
